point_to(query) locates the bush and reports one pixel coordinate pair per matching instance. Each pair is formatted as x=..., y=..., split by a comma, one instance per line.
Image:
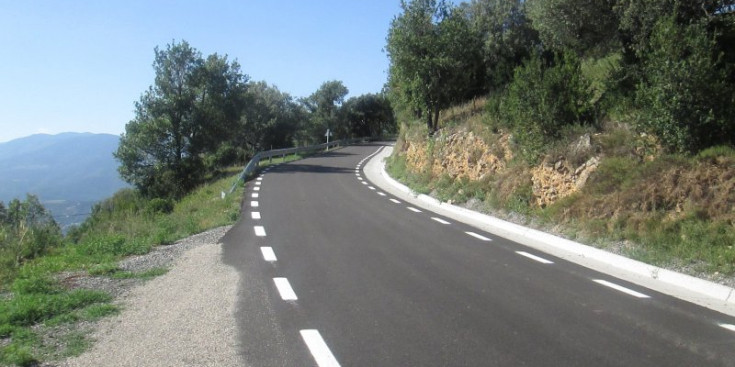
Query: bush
x=686, y=95
x=542, y=99
x=158, y=205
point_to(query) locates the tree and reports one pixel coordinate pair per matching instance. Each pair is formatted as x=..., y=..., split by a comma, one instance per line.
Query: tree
x=29, y=230
x=369, y=115
x=433, y=57
x=270, y=118
x=580, y=26
x=686, y=93
x=323, y=106
x=184, y=116
x=506, y=37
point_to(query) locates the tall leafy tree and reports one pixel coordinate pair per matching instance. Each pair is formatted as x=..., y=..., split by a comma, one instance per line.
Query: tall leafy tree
x=433, y=58
x=323, y=107
x=369, y=115
x=180, y=119
x=582, y=26
x=506, y=37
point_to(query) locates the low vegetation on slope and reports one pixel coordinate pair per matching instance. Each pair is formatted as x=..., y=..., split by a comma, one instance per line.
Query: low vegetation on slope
x=608, y=186
x=41, y=308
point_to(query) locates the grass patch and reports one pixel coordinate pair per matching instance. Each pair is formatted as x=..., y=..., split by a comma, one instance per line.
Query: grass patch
x=123, y=225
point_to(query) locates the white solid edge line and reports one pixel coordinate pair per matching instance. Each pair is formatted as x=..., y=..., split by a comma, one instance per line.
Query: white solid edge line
x=620, y=288
x=318, y=348
x=395, y=201
x=268, y=254
x=534, y=257
x=479, y=237
x=285, y=290
x=442, y=221
x=259, y=231
x=727, y=326
x=255, y=215
x=254, y=204
x=413, y=209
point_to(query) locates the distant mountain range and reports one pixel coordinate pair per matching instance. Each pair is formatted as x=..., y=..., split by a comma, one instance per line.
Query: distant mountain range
x=69, y=172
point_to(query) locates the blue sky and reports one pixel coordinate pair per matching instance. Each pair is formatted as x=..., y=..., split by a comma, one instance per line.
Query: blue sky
x=80, y=65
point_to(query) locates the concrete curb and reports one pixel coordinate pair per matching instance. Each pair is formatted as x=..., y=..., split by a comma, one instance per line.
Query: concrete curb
x=705, y=293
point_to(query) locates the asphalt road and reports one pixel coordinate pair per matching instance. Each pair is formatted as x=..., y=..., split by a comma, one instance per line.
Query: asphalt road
x=337, y=272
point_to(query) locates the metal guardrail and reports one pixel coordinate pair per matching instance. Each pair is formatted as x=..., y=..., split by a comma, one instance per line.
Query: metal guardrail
x=269, y=154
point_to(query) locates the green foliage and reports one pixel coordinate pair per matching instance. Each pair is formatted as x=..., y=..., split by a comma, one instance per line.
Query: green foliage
x=580, y=26
x=434, y=58
x=323, y=106
x=542, y=99
x=686, y=96
x=160, y=206
x=368, y=115
x=191, y=108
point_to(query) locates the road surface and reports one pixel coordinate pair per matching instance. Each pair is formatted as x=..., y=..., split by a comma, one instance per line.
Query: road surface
x=335, y=271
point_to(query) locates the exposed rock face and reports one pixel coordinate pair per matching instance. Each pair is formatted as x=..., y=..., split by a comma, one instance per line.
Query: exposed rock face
x=464, y=154
x=554, y=179
x=461, y=154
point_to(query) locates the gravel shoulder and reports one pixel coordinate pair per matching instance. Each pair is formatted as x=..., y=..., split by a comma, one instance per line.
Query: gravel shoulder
x=185, y=317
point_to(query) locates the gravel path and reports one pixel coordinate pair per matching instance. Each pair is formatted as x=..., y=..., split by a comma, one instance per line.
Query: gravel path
x=183, y=318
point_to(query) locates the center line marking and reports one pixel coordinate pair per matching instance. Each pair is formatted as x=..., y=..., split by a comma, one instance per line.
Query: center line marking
x=254, y=204
x=620, y=288
x=534, y=257
x=255, y=215
x=259, y=231
x=255, y=195
x=319, y=349
x=268, y=254
x=727, y=326
x=442, y=221
x=479, y=237
x=284, y=288
x=395, y=201
x=381, y=194
x=413, y=209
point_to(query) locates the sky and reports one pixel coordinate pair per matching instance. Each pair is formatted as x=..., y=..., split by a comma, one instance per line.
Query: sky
x=79, y=66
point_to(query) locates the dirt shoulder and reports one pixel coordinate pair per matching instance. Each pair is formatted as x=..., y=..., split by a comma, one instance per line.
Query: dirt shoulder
x=182, y=318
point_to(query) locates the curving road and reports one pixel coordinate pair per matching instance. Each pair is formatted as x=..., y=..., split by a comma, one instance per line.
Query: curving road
x=335, y=271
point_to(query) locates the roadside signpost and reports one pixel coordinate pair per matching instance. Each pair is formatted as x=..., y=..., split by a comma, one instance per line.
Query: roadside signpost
x=328, y=134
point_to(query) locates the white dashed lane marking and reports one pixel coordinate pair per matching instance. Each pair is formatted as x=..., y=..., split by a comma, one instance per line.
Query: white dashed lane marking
x=371, y=188
x=381, y=194
x=413, y=209
x=254, y=204
x=255, y=215
x=268, y=254
x=620, y=288
x=479, y=237
x=442, y=221
x=395, y=201
x=258, y=183
x=534, y=257
x=284, y=289
x=255, y=195
x=259, y=231
x=319, y=349
x=260, y=178
x=257, y=189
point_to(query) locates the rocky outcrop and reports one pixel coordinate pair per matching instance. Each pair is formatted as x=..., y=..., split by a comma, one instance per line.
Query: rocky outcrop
x=554, y=179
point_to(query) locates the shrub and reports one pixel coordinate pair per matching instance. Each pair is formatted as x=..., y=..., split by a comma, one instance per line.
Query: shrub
x=542, y=99
x=686, y=94
x=159, y=205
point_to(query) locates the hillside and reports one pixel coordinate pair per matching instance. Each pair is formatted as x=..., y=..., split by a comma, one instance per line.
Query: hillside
x=68, y=172
x=609, y=187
